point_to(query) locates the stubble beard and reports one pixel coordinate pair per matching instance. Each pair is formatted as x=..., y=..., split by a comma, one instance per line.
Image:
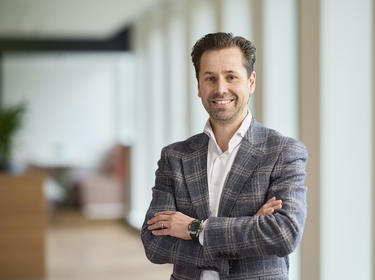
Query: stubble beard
x=223, y=116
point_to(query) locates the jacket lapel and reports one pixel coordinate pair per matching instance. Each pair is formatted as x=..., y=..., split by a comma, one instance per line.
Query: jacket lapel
x=195, y=170
x=245, y=163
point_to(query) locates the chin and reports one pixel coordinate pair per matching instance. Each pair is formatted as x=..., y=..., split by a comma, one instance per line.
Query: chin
x=223, y=118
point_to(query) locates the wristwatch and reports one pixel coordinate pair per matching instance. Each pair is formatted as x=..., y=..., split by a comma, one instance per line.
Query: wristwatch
x=195, y=228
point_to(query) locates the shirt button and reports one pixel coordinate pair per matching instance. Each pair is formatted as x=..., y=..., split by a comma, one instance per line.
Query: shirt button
x=216, y=183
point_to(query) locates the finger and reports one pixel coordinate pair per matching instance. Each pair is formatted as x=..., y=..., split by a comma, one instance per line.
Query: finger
x=278, y=202
x=270, y=200
x=268, y=205
x=273, y=207
x=275, y=203
x=165, y=216
x=262, y=210
x=276, y=207
x=154, y=226
x=271, y=210
x=158, y=225
x=268, y=211
x=157, y=219
x=160, y=232
x=152, y=221
x=265, y=211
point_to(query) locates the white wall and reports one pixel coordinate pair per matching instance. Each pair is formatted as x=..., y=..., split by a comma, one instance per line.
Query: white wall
x=346, y=144
x=72, y=105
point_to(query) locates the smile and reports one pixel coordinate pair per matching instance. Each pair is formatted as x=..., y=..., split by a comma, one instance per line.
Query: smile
x=221, y=102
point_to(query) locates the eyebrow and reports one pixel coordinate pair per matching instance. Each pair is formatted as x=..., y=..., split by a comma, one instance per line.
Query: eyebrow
x=226, y=72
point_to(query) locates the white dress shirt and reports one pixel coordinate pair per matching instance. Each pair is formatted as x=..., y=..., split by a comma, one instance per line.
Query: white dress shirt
x=218, y=167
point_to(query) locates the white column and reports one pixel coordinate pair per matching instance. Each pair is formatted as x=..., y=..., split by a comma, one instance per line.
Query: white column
x=202, y=20
x=155, y=94
x=309, y=131
x=151, y=106
x=176, y=79
x=373, y=141
x=139, y=182
x=256, y=101
x=236, y=18
x=346, y=48
x=125, y=96
x=280, y=100
x=280, y=79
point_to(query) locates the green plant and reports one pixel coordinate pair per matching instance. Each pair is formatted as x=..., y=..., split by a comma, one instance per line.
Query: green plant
x=11, y=118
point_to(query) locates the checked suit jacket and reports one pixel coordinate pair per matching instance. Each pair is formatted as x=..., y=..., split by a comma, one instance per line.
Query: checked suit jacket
x=238, y=244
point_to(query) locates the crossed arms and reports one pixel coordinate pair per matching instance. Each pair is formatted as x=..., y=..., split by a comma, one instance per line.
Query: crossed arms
x=176, y=224
x=274, y=230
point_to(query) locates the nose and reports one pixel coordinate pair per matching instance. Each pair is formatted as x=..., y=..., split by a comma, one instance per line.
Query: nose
x=221, y=86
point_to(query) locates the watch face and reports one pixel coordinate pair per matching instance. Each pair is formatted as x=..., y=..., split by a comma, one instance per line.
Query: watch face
x=194, y=226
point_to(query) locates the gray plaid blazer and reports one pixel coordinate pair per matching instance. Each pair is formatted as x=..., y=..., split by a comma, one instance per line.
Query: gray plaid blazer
x=238, y=244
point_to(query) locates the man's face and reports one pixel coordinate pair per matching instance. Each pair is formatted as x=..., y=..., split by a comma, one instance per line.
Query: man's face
x=224, y=85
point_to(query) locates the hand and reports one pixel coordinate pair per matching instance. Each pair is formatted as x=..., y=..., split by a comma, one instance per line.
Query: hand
x=170, y=223
x=270, y=206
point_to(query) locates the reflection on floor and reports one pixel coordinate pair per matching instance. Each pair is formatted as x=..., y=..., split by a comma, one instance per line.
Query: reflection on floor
x=81, y=249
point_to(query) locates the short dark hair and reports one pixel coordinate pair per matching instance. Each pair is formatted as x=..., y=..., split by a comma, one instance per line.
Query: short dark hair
x=221, y=40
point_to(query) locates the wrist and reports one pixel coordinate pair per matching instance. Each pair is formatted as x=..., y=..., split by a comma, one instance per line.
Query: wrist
x=194, y=229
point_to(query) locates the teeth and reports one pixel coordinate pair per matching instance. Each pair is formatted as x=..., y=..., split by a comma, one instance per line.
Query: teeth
x=223, y=102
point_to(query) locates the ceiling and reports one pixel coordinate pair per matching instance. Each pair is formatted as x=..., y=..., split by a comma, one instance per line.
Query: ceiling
x=32, y=19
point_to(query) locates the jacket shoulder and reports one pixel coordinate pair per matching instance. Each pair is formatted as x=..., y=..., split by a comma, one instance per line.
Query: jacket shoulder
x=274, y=140
x=187, y=146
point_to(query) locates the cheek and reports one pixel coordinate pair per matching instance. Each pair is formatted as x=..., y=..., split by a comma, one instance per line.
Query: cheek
x=240, y=90
x=203, y=91
x=243, y=93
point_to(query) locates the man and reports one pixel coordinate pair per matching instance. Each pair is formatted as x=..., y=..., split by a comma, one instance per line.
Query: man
x=229, y=203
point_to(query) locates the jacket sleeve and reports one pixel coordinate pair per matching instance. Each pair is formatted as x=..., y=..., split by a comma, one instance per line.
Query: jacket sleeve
x=265, y=235
x=168, y=249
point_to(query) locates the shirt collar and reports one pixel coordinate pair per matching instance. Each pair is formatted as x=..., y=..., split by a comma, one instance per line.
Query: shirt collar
x=241, y=131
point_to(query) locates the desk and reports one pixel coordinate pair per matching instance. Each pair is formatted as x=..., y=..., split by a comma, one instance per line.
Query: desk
x=22, y=226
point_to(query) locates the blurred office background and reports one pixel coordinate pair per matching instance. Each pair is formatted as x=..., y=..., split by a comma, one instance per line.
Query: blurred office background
x=108, y=83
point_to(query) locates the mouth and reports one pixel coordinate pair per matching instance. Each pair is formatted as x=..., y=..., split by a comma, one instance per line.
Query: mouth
x=222, y=101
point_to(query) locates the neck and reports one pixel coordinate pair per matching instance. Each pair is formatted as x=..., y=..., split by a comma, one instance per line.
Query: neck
x=225, y=131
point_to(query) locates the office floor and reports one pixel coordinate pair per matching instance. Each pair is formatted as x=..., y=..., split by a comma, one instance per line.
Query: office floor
x=81, y=249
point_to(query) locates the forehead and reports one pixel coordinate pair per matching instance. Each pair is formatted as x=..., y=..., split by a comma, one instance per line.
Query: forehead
x=223, y=59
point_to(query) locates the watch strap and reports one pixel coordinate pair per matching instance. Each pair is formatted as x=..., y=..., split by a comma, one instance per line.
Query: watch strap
x=195, y=228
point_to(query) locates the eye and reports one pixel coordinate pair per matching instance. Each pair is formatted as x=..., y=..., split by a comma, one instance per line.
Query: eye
x=210, y=78
x=231, y=77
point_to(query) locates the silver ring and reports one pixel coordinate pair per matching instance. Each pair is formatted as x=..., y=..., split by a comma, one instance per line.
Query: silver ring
x=162, y=225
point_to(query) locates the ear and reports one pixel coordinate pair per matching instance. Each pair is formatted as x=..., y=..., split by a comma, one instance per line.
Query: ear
x=252, y=82
x=199, y=92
